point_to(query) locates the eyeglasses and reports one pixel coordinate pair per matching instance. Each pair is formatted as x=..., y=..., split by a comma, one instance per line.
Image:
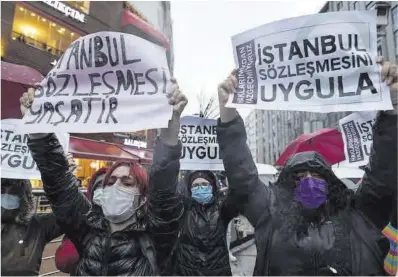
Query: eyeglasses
x=128, y=181
x=202, y=184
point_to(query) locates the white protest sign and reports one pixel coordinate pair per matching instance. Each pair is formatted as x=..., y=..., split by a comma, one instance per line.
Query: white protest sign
x=16, y=160
x=104, y=82
x=356, y=129
x=322, y=63
x=200, y=149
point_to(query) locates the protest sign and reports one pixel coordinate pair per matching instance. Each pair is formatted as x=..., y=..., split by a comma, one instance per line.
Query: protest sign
x=356, y=129
x=104, y=82
x=322, y=63
x=16, y=160
x=200, y=149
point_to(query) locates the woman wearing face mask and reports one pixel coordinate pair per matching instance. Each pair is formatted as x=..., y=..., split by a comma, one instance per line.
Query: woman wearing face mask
x=201, y=249
x=24, y=234
x=306, y=224
x=133, y=222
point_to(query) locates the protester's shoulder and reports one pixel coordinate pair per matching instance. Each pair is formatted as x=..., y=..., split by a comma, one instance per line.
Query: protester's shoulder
x=43, y=219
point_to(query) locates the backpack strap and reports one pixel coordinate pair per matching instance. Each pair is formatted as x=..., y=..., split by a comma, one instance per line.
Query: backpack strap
x=148, y=250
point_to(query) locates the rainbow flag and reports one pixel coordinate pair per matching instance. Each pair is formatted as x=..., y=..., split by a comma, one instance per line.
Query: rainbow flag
x=391, y=260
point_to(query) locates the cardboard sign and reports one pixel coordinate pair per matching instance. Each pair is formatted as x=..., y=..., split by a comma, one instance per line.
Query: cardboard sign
x=16, y=160
x=200, y=149
x=320, y=63
x=357, y=131
x=104, y=82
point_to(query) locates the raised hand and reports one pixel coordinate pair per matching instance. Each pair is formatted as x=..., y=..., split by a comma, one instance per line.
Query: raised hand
x=26, y=100
x=225, y=89
x=177, y=99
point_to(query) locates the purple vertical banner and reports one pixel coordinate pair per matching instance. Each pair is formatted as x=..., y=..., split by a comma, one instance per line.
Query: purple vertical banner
x=354, y=144
x=247, y=90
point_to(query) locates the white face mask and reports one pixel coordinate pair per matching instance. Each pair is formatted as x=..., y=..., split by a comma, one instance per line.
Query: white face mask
x=117, y=202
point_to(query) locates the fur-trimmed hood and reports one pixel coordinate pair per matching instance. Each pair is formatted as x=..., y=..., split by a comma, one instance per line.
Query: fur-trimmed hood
x=23, y=189
x=339, y=194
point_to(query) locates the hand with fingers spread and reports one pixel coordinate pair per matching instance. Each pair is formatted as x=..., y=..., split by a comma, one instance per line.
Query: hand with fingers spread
x=26, y=100
x=225, y=89
x=389, y=74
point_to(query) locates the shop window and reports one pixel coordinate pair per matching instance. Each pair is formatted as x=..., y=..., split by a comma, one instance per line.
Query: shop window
x=39, y=32
x=85, y=169
x=84, y=6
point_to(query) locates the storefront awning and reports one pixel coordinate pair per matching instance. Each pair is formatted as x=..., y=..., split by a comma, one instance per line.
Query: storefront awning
x=145, y=155
x=15, y=80
x=128, y=18
x=91, y=149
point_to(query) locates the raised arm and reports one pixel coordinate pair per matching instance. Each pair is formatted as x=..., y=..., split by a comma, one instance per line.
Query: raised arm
x=165, y=205
x=60, y=185
x=245, y=188
x=379, y=184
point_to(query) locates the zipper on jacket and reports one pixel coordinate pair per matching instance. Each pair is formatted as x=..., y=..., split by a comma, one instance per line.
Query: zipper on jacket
x=106, y=255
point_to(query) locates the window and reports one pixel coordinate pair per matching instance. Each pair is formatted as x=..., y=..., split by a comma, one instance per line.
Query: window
x=394, y=16
x=380, y=50
x=39, y=32
x=396, y=43
x=339, y=5
x=84, y=6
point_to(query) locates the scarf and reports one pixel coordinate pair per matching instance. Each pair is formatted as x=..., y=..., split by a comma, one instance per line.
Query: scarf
x=391, y=260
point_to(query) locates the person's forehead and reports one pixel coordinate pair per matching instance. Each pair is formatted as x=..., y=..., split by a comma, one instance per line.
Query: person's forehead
x=121, y=171
x=200, y=180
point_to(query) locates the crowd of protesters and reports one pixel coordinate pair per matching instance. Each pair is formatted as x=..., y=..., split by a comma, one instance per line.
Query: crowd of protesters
x=134, y=223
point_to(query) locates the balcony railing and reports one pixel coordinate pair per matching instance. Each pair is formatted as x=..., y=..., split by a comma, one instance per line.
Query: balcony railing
x=36, y=44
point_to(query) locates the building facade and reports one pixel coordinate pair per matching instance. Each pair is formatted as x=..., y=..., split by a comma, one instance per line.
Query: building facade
x=36, y=33
x=387, y=21
x=270, y=132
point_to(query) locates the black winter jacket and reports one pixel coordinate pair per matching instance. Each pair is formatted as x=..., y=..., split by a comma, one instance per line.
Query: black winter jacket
x=103, y=252
x=349, y=243
x=202, y=249
x=33, y=230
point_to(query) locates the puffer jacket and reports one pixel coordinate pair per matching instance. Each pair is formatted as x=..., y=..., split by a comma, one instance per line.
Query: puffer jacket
x=140, y=248
x=202, y=248
x=23, y=239
x=349, y=242
x=66, y=256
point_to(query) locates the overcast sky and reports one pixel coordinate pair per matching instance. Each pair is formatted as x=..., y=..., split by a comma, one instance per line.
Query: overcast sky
x=202, y=38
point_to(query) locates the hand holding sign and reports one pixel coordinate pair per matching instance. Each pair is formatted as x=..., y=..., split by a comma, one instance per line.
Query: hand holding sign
x=389, y=74
x=177, y=98
x=179, y=101
x=225, y=89
x=26, y=100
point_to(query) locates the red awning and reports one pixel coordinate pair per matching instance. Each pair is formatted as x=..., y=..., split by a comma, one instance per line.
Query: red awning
x=20, y=74
x=15, y=80
x=128, y=18
x=145, y=155
x=96, y=150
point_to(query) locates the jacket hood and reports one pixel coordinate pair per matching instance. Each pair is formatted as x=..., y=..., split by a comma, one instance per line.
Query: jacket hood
x=313, y=161
x=23, y=189
x=96, y=180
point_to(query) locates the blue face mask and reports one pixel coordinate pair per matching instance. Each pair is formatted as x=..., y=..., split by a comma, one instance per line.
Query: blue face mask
x=202, y=194
x=9, y=201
